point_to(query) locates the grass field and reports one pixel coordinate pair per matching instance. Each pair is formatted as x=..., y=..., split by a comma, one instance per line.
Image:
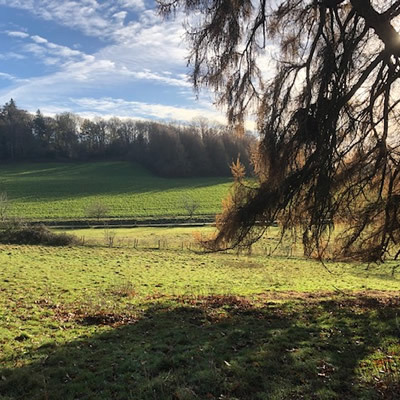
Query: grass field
x=119, y=323
x=62, y=191
x=177, y=238
x=151, y=319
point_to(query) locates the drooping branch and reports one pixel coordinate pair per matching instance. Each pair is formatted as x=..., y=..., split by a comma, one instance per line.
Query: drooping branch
x=327, y=120
x=380, y=23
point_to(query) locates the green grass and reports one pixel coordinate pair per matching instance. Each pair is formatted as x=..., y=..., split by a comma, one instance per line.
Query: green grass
x=172, y=237
x=60, y=191
x=183, y=237
x=120, y=323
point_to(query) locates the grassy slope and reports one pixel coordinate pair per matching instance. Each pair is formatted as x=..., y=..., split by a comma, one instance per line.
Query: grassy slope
x=63, y=191
x=94, y=323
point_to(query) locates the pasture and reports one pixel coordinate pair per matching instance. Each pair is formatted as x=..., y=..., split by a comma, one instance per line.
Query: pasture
x=148, y=316
x=93, y=322
x=62, y=191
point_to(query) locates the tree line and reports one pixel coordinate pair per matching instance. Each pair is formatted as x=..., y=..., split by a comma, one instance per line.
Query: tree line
x=171, y=150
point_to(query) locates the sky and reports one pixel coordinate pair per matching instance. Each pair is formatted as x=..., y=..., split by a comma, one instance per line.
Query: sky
x=97, y=58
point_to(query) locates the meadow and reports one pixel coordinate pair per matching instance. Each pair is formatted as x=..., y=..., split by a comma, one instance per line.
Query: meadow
x=62, y=191
x=149, y=316
x=92, y=322
x=179, y=237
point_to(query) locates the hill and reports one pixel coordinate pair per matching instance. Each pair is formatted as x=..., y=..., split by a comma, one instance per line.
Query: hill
x=62, y=191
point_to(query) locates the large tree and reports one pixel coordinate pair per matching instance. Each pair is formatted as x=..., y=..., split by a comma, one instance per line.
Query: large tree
x=328, y=115
x=16, y=140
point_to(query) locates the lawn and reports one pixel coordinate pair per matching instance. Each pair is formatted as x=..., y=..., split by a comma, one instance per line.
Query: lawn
x=60, y=191
x=94, y=322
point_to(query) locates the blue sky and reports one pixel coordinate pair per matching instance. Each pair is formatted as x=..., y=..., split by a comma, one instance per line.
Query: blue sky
x=96, y=57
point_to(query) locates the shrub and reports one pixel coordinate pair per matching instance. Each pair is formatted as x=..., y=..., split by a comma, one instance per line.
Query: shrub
x=190, y=205
x=36, y=235
x=109, y=237
x=97, y=210
x=4, y=205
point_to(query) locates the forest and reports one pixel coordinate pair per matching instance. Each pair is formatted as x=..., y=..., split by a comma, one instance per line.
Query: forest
x=170, y=150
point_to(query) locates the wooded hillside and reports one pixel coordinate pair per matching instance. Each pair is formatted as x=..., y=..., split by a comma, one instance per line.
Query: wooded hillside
x=171, y=150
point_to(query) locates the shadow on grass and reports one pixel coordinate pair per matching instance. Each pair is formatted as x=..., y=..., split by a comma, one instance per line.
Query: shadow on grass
x=218, y=348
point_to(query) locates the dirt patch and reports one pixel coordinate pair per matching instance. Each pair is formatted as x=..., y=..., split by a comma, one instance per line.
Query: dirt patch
x=108, y=319
x=217, y=301
x=373, y=298
x=96, y=318
x=81, y=316
x=232, y=304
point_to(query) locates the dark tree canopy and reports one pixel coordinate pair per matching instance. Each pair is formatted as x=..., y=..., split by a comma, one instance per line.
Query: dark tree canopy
x=170, y=150
x=328, y=118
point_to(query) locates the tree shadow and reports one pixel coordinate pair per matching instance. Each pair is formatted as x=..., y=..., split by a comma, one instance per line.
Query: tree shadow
x=215, y=348
x=75, y=180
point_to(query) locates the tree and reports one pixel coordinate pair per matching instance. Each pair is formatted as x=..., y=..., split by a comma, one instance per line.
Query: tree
x=39, y=126
x=97, y=209
x=66, y=135
x=190, y=205
x=92, y=137
x=328, y=117
x=16, y=139
x=43, y=131
x=4, y=206
x=165, y=152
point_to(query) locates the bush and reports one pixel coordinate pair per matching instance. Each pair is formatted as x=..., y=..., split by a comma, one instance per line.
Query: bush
x=4, y=205
x=97, y=210
x=190, y=205
x=24, y=234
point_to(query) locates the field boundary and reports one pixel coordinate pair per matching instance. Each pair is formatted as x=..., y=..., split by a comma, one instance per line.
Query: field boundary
x=208, y=220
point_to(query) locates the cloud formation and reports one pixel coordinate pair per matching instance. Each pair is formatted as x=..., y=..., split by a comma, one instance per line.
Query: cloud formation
x=16, y=34
x=135, y=109
x=138, y=47
x=4, y=75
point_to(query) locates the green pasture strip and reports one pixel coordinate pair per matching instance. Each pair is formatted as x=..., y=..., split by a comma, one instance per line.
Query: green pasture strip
x=181, y=238
x=170, y=233
x=120, y=323
x=65, y=272
x=57, y=191
x=166, y=238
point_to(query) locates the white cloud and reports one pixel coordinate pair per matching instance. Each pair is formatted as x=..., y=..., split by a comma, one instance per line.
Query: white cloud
x=105, y=19
x=132, y=4
x=35, y=49
x=4, y=75
x=120, y=16
x=11, y=56
x=152, y=44
x=144, y=49
x=162, y=78
x=51, y=53
x=17, y=34
x=107, y=107
x=85, y=15
x=148, y=49
x=83, y=74
x=39, y=39
x=135, y=109
x=63, y=51
x=147, y=42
